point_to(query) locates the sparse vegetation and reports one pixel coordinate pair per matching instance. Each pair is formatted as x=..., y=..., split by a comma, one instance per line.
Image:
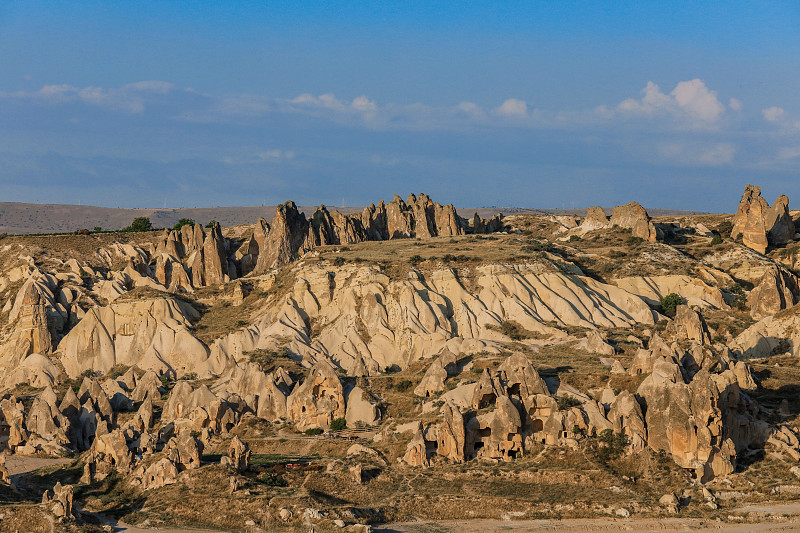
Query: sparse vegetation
x=183, y=222
x=669, y=303
x=338, y=424
x=139, y=224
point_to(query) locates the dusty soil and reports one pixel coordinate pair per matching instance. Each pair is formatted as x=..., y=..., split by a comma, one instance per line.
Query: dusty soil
x=605, y=525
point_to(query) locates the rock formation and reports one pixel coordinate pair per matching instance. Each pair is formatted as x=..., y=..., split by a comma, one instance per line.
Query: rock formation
x=761, y=225
x=634, y=217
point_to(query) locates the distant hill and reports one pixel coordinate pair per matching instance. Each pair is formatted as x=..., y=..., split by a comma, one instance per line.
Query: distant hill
x=24, y=218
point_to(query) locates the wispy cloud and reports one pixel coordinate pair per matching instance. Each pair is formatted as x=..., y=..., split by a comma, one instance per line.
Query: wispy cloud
x=129, y=98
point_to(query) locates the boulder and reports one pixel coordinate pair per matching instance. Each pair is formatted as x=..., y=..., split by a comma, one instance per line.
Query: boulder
x=634, y=217
x=594, y=342
x=779, y=223
x=239, y=455
x=451, y=435
x=318, y=400
x=362, y=409
x=59, y=501
x=776, y=290
x=595, y=219
x=416, y=451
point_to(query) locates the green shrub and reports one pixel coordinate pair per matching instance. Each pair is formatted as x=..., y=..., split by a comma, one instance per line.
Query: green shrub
x=338, y=424
x=140, y=224
x=339, y=261
x=404, y=385
x=183, y=222
x=632, y=241
x=273, y=479
x=669, y=303
x=567, y=402
x=574, y=238
x=612, y=444
x=716, y=239
x=211, y=223
x=314, y=431
x=414, y=259
x=725, y=227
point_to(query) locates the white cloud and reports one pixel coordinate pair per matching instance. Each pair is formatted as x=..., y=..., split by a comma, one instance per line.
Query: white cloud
x=362, y=103
x=690, y=100
x=773, y=114
x=513, y=108
x=470, y=108
x=735, y=104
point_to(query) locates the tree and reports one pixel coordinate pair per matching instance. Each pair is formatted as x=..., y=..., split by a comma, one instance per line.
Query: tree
x=669, y=303
x=338, y=424
x=183, y=222
x=211, y=223
x=140, y=224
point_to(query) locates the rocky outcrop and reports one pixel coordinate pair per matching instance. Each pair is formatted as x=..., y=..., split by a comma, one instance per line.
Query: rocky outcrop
x=702, y=424
x=777, y=290
x=689, y=324
x=286, y=235
x=433, y=380
x=362, y=408
x=238, y=457
x=318, y=400
x=59, y=500
x=634, y=217
x=761, y=225
x=779, y=223
x=150, y=334
x=595, y=219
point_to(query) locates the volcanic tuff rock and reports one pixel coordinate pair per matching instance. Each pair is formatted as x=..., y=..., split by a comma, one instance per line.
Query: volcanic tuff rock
x=761, y=225
x=297, y=348
x=635, y=217
x=777, y=290
x=595, y=219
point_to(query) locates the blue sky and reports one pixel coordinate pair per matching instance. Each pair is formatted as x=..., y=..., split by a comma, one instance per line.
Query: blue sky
x=535, y=104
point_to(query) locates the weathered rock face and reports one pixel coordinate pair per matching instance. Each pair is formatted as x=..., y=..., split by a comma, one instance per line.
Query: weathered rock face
x=750, y=197
x=761, y=225
x=702, y=424
x=595, y=219
x=13, y=414
x=286, y=235
x=689, y=324
x=416, y=451
x=433, y=380
x=451, y=434
x=153, y=335
x=595, y=343
x=318, y=400
x=185, y=451
x=215, y=259
x=779, y=224
x=635, y=217
x=777, y=290
x=59, y=501
x=239, y=455
x=496, y=434
x=161, y=473
x=362, y=409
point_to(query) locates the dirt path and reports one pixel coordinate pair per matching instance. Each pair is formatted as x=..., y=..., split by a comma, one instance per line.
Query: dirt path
x=21, y=464
x=671, y=525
